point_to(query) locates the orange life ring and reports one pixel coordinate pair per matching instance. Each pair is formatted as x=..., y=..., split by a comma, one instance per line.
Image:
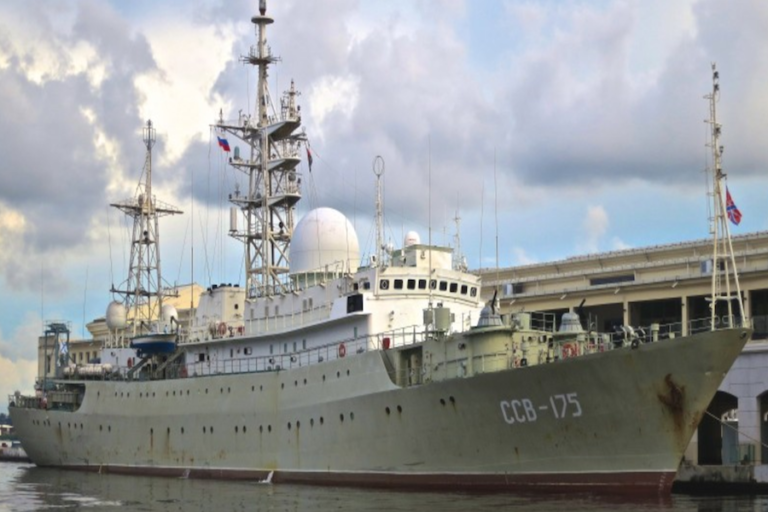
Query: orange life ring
x=570, y=350
x=222, y=329
x=240, y=329
x=342, y=350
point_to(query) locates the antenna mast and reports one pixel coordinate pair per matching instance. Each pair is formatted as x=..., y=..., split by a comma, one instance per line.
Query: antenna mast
x=273, y=184
x=381, y=253
x=723, y=259
x=144, y=292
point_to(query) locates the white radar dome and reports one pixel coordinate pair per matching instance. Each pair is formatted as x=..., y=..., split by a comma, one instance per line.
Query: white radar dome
x=117, y=316
x=411, y=238
x=324, y=239
x=169, y=312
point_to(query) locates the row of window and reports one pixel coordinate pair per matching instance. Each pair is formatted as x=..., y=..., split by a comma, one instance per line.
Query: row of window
x=434, y=284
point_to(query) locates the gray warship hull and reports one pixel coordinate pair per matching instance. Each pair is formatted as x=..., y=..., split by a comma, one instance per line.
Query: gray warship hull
x=614, y=421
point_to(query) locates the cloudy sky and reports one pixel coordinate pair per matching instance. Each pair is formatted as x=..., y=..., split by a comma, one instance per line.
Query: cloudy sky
x=565, y=127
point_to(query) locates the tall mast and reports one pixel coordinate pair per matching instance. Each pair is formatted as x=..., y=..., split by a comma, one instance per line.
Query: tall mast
x=723, y=259
x=143, y=292
x=378, y=170
x=270, y=163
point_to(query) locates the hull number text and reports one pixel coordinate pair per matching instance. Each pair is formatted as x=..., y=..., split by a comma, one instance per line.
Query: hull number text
x=523, y=410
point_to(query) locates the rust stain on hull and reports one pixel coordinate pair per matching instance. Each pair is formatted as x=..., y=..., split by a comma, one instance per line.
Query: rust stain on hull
x=673, y=398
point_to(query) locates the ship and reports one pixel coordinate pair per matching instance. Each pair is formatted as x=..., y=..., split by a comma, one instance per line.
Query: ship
x=389, y=372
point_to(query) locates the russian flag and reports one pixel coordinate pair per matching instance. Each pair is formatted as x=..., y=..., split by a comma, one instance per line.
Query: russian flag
x=223, y=143
x=730, y=208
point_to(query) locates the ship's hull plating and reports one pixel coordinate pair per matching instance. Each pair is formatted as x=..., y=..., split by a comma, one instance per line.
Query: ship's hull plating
x=617, y=421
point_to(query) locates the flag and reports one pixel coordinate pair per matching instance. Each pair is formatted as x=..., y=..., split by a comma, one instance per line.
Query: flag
x=309, y=159
x=730, y=208
x=224, y=143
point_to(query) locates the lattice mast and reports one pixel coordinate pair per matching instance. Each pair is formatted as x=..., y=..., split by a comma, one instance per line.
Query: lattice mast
x=270, y=161
x=381, y=250
x=723, y=259
x=144, y=289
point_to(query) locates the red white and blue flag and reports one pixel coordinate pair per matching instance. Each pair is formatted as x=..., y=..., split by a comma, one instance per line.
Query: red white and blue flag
x=223, y=143
x=309, y=159
x=730, y=208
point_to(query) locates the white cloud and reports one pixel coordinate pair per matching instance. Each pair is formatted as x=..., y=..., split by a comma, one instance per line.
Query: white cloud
x=178, y=95
x=594, y=227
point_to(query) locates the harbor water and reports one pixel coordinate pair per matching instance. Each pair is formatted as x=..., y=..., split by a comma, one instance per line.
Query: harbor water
x=24, y=487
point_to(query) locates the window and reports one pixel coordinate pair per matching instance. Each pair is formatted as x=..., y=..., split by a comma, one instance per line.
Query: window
x=294, y=346
x=285, y=348
x=303, y=344
x=248, y=351
x=277, y=310
x=201, y=357
x=271, y=349
x=464, y=289
x=454, y=287
x=597, y=281
x=366, y=285
x=411, y=284
x=422, y=284
x=443, y=286
x=398, y=284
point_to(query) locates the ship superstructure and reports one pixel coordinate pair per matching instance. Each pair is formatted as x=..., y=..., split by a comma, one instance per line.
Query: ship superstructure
x=394, y=372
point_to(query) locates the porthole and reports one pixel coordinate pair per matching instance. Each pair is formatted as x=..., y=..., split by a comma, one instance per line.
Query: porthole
x=253, y=388
x=282, y=385
x=453, y=400
x=203, y=430
x=352, y=416
x=206, y=391
x=347, y=372
x=298, y=425
x=182, y=430
x=236, y=429
x=321, y=420
x=442, y=401
x=109, y=428
x=399, y=409
x=211, y=430
x=387, y=410
x=244, y=429
x=312, y=422
x=341, y=417
x=269, y=428
x=261, y=428
x=169, y=430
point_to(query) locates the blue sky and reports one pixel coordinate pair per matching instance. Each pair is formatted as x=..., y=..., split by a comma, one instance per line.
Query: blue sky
x=578, y=124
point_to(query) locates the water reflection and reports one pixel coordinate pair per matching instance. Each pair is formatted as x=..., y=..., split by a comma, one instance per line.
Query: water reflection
x=27, y=488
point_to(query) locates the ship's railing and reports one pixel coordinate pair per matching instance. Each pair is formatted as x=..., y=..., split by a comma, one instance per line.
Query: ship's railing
x=283, y=361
